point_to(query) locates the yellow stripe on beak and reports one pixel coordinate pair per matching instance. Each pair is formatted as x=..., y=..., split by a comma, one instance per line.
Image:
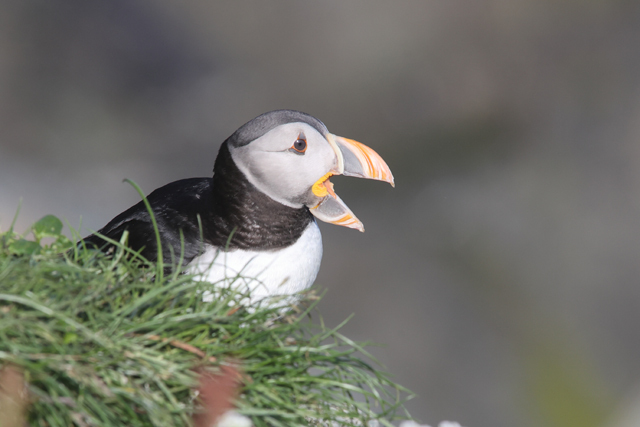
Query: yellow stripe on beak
x=319, y=188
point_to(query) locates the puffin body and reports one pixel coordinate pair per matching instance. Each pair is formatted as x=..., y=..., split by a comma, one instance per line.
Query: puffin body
x=253, y=224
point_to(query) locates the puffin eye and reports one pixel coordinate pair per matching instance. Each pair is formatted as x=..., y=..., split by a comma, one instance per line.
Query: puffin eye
x=300, y=145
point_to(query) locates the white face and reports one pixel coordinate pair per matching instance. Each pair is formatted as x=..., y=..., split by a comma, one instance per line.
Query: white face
x=272, y=164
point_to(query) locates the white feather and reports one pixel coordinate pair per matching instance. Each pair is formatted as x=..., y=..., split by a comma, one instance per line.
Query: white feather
x=263, y=274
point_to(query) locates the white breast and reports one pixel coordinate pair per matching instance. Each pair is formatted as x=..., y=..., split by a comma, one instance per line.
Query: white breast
x=263, y=273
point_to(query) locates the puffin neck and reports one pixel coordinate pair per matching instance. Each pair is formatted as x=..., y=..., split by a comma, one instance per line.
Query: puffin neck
x=252, y=219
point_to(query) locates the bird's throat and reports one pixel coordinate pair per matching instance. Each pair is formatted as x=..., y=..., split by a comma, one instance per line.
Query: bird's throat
x=242, y=217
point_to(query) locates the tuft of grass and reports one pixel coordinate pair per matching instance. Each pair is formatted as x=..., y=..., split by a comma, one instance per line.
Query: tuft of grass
x=106, y=341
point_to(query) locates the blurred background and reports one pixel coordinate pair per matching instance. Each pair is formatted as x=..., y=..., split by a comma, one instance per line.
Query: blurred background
x=502, y=272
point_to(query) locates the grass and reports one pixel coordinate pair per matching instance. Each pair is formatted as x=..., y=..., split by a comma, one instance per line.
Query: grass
x=111, y=341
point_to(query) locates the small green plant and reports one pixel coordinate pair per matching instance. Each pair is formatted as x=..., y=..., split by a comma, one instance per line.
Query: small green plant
x=106, y=341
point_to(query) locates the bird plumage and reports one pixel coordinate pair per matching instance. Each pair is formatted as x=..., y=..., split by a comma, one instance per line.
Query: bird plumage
x=255, y=217
x=226, y=205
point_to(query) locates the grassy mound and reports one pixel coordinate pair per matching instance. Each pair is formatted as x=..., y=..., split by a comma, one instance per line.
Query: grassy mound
x=112, y=341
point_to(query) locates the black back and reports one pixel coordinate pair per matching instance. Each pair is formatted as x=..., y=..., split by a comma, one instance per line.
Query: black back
x=234, y=215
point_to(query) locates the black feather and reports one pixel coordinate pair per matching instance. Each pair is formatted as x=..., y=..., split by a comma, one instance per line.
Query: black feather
x=234, y=215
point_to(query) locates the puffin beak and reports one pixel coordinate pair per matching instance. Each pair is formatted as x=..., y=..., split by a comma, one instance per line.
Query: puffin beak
x=352, y=159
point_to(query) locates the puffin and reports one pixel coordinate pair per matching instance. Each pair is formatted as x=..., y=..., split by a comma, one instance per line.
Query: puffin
x=253, y=223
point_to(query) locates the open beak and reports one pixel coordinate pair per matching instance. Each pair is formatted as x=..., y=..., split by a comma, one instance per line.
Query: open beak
x=353, y=159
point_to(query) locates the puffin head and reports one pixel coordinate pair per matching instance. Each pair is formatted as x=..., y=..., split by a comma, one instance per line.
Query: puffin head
x=290, y=156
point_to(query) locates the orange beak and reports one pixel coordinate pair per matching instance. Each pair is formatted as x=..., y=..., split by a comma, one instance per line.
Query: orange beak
x=352, y=159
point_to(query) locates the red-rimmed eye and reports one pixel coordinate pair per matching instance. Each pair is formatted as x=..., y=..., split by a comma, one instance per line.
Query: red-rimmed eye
x=300, y=145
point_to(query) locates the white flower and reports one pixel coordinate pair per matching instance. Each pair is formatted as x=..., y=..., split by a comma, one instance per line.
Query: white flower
x=233, y=419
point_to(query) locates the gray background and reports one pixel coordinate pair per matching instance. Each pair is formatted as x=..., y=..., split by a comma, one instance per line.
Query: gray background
x=501, y=273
